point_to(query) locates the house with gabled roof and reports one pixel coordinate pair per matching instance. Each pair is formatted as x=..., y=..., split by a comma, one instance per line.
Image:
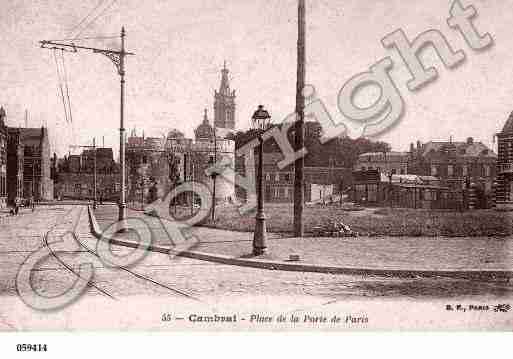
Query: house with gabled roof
x=458, y=164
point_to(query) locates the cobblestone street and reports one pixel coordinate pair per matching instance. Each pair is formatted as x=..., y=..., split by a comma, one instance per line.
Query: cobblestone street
x=180, y=283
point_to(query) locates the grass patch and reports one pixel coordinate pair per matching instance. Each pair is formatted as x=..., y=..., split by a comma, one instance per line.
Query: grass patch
x=375, y=222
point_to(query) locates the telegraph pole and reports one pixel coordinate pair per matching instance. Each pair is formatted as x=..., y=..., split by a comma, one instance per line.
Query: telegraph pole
x=214, y=175
x=118, y=58
x=299, y=135
x=95, y=179
x=192, y=183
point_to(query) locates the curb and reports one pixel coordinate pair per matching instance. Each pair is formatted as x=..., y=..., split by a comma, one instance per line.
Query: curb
x=304, y=267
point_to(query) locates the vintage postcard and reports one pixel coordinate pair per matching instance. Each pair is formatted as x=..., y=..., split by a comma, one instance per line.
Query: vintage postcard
x=265, y=165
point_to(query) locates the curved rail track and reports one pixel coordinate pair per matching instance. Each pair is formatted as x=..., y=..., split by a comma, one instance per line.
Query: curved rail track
x=92, y=252
x=45, y=242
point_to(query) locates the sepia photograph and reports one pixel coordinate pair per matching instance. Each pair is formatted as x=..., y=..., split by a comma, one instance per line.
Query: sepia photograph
x=255, y=166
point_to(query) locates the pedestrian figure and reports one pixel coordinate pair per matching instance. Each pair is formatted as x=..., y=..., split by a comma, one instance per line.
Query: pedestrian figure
x=16, y=206
x=32, y=203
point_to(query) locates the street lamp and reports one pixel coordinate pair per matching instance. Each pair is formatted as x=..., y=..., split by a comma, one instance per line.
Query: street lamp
x=261, y=121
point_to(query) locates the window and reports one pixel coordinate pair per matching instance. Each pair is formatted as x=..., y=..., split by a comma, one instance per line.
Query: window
x=287, y=177
x=372, y=192
x=276, y=191
x=267, y=176
x=287, y=192
x=450, y=170
x=277, y=177
x=487, y=171
x=465, y=171
x=434, y=171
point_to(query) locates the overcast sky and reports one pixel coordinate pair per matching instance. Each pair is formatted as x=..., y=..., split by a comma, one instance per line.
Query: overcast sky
x=180, y=47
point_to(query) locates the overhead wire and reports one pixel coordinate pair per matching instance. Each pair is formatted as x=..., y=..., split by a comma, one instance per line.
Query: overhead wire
x=96, y=18
x=66, y=84
x=59, y=78
x=87, y=38
x=85, y=18
x=63, y=78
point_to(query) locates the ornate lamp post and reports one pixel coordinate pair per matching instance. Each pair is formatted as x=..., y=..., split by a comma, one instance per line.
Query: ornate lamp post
x=261, y=121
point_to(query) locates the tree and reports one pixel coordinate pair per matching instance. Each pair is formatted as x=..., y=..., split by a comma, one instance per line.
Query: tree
x=338, y=152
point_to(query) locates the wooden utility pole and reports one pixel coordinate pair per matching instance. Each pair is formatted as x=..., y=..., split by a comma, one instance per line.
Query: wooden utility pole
x=214, y=175
x=299, y=134
x=95, y=176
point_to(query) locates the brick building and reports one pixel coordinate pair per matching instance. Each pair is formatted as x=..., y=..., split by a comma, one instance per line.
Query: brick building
x=74, y=177
x=3, y=159
x=457, y=164
x=37, y=179
x=104, y=160
x=73, y=185
x=372, y=187
x=504, y=190
x=384, y=162
x=320, y=181
x=15, y=153
x=147, y=166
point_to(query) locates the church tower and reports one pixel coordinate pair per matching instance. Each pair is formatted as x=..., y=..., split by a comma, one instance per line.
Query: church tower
x=224, y=103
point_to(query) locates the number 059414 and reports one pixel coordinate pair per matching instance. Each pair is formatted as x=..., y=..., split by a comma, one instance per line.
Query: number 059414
x=31, y=347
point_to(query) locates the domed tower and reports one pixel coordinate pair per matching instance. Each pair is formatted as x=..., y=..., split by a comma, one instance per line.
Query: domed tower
x=204, y=132
x=224, y=103
x=205, y=152
x=504, y=192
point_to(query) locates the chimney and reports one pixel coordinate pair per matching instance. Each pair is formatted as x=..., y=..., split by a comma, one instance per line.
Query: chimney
x=412, y=148
x=419, y=145
x=470, y=141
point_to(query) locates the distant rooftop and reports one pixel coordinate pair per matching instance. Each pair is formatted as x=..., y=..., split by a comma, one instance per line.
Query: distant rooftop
x=390, y=153
x=31, y=133
x=465, y=149
x=508, y=126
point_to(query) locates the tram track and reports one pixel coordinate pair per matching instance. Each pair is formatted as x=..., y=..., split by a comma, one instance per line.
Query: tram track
x=90, y=251
x=135, y=274
x=90, y=284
